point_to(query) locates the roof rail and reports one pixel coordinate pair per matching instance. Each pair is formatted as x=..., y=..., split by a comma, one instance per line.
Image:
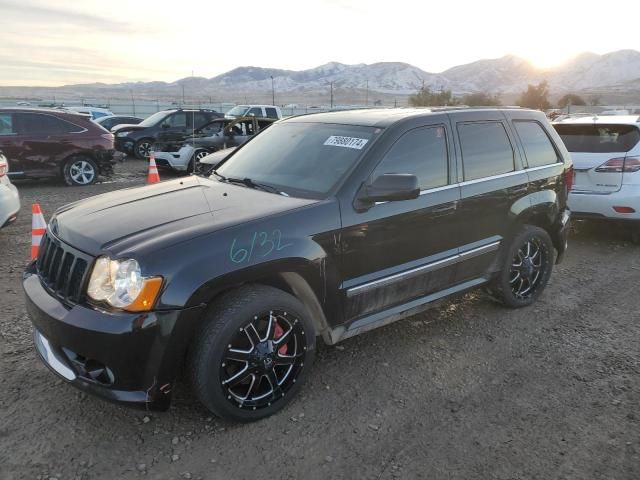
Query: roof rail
x=475, y=107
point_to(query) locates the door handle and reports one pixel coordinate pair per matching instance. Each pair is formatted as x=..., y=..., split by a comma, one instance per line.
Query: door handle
x=446, y=209
x=521, y=189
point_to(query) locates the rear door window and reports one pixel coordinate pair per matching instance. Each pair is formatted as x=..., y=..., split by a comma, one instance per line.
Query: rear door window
x=538, y=148
x=177, y=120
x=6, y=124
x=421, y=152
x=271, y=112
x=43, y=125
x=598, y=138
x=486, y=149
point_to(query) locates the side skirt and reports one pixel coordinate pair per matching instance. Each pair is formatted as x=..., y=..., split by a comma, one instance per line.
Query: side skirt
x=396, y=313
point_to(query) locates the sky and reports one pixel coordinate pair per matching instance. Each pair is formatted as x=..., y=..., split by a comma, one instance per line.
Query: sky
x=52, y=42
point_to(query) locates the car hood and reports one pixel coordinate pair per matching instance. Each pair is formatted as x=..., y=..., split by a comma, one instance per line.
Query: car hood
x=136, y=221
x=126, y=127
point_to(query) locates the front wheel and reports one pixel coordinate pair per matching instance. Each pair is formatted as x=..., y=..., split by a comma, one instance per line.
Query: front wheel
x=526, y=269
x=80, y=171
x=252, y=353
x=142, y=149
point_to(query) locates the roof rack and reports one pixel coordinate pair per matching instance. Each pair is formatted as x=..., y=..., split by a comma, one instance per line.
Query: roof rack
x=476, y=107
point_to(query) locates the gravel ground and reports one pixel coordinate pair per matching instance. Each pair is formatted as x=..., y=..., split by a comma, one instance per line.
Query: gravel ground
x=468, y=390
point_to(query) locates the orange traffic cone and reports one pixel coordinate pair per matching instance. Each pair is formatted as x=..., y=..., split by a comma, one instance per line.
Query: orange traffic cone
x=38, y=227
x=153, y=176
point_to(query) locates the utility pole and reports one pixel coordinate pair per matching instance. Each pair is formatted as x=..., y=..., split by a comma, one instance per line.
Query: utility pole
x=366, y=101
x=273, y=92
x=331, y=95
x=133, y=103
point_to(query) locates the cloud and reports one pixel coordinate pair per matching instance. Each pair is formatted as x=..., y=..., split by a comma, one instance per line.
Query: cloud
x=25, y=12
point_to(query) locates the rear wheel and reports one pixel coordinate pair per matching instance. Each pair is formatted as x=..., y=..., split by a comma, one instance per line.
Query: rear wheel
x=80, y=171
x=252, y=353
x=527, y=268
x=635, y=234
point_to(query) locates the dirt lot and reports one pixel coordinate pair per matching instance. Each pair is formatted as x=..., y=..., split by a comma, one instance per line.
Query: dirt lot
x=468, y=390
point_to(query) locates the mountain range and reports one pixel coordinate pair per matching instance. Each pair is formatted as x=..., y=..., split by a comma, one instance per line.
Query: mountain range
x=616, y=71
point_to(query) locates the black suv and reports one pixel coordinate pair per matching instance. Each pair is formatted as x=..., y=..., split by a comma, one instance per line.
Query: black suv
x=166, y=125
x=324, y=225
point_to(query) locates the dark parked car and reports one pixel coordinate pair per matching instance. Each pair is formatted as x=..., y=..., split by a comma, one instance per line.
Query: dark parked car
x=41, y=143
x=323, y=225
x=111, y=121
x=165, y=126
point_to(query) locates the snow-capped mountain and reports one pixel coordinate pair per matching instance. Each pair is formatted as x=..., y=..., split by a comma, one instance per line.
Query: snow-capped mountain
x=508, y=75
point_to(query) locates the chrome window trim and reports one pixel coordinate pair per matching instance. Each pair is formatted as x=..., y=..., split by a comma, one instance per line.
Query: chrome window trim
x=483, y=179
x=453, y=259
x=492, y=177
x=542, y=167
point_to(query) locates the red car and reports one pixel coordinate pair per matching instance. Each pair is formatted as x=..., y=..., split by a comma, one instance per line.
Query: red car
x=41, y=143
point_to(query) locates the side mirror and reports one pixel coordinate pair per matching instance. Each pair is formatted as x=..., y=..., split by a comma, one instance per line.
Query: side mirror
x=392, y=187
x=165, y=125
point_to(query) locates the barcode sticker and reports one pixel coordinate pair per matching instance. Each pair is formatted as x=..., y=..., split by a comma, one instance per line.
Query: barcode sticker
x=346, y=142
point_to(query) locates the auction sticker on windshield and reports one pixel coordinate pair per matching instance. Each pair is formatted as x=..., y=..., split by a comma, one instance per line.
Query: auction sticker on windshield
x=346, y=142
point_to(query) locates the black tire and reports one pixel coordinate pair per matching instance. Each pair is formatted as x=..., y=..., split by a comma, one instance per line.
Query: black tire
x=195, y=160
x=635, y=234
x=213, y=370
x=519, y=285
x=142, y=148
x=80, y=171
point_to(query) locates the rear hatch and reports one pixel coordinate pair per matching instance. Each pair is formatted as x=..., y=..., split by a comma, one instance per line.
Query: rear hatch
x=598, y=152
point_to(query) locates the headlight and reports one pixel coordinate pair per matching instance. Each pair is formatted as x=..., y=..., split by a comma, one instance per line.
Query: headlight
x=122, y=134
x=120, y=283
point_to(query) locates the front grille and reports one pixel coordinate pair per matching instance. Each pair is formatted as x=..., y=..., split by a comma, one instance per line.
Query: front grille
x=62, y=269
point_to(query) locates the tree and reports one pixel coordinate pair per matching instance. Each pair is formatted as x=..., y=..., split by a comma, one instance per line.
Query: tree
x=571, y=99
x=426, y=98
x=536, y=96
x=480, y=100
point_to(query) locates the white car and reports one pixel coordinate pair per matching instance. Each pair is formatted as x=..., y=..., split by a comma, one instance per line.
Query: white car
x=606, y=160
x=260, y=111
x=9, y=199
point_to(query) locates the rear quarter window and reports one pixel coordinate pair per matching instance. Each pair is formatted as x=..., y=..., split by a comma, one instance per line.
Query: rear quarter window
x=486, y=149
x=538, y=149
x=598, y=138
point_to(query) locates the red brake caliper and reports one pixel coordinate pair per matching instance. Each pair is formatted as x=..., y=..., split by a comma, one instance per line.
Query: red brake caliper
x=278, y=332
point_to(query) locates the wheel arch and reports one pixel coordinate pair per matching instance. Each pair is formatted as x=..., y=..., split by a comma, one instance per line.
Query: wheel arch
x=299, y=279
x=543, y=211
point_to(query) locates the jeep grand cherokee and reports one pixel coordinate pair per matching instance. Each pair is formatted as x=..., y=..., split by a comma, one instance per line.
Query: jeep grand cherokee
x=325, y=225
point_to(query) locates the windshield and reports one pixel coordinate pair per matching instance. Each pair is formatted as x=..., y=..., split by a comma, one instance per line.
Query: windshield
x=238, y=110
x=599, y=138
x=154, y=119
x=300, y=159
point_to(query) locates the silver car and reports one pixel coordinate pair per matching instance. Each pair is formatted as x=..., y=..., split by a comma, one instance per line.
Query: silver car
x=216, y=135
x=9, y=199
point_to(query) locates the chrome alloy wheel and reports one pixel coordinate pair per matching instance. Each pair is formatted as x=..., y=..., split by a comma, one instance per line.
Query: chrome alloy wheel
x=263, y=360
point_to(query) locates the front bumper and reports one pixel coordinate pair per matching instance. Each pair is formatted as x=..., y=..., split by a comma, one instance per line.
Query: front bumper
x=123, y=357
x=589, y=205
x=9, y=203
x=124, y=144
x=176, y=160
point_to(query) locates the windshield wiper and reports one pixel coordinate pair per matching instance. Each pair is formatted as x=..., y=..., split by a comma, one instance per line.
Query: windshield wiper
x=256, y=185
x=220, y=176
